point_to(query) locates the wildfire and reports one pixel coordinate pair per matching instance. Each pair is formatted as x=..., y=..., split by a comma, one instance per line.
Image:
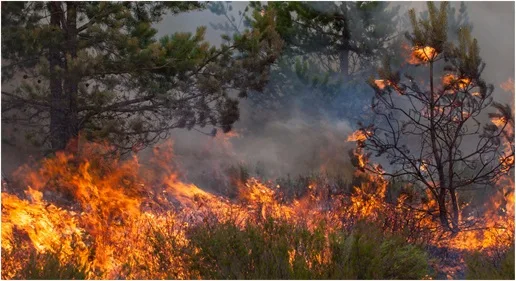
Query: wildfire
x=47, y=226
x=114, y=207
x=499, y=121
x=459, y=83
x=105, y=213
x=381, y=84
x=420, y=54
x=359, y=135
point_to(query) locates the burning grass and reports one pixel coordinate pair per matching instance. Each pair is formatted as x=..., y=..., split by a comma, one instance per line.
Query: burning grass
x=92, y=216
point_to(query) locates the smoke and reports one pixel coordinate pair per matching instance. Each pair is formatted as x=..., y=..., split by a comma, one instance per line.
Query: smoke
x=296, y=141
x=297, y=144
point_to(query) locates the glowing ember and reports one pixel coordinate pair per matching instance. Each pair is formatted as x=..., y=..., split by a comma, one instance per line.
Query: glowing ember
x=499, y=121
x=507, y=163
x=476, y=94
x=359, y=135
x=424, y=166
x=459, y=83
x=420, y=54
x=381, y=84
x=424, y=53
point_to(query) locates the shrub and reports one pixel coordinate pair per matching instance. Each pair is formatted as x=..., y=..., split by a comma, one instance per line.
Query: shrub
x=367, y=254
x=483, y=267
x=276, y=250
x=226, y=252
x=47, y=267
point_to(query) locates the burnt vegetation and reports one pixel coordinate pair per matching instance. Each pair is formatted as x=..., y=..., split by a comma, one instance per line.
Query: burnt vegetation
x=425, y=192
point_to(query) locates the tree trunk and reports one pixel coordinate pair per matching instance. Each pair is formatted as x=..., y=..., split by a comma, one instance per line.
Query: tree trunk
x=455, y=210
x=58, y=110
x=344, y=54
x=344, y=63
x=71, y=83
x=441, y=201
x=437, y=156
x=63, y=81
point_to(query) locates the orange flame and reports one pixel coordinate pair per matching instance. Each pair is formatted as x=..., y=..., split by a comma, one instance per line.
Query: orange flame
x=419, y=54
x=460, y=83
x=103, y=212
x=381, y=84
x=359, y=135
x=499, y=121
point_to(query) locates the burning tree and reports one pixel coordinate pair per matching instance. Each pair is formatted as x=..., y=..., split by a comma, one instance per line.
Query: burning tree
x=430, y=128
x=98, y=68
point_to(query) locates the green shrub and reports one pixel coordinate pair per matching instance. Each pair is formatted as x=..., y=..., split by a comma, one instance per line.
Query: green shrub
x=483, y=267
x=276, y=250
x=399, y=260
x=226, y=252
x=47, y=267
x=367, y=254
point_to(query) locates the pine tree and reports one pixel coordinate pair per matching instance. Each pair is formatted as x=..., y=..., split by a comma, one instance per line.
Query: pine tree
x=97, y=68
x=329, y=48
x=430, y=127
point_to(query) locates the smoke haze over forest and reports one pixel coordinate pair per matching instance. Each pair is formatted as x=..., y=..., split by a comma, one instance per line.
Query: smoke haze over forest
x=299, y=141
x=258, y=140
x=294, y=140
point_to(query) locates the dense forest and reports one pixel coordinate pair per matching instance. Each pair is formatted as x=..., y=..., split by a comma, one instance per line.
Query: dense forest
x=281, y=140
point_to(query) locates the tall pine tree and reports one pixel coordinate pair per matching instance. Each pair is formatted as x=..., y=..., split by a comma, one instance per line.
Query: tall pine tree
x=97, y=68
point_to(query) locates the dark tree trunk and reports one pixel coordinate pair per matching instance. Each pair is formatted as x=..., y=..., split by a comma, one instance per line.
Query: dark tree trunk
x=441, y=201
x=346, y=37
x=58, y=110
x=455, y=210
x=344, y=63
x=63, y=82
x=71, y=83
x=437, y=156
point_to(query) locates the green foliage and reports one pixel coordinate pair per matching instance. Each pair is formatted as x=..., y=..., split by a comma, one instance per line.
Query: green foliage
x=276, y=250
x=433, y=31
x=368, y=254
x=485, y=268
x=329, y=46
x=108, y=76
x=47, y=267
x=226, y=252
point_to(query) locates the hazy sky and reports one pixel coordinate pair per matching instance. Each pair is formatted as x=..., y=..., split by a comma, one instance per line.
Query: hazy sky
x=298, y=144
x=493, y=26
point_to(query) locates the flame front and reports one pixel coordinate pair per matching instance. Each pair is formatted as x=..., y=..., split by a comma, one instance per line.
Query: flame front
x=109, y=210
x=104, y=213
